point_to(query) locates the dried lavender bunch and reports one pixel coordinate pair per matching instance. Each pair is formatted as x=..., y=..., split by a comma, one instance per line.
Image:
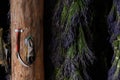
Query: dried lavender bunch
x=114, y=29
x=70, y=53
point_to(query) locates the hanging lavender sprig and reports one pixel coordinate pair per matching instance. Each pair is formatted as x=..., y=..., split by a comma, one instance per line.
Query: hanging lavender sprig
x=114, y=29
x=70, y=53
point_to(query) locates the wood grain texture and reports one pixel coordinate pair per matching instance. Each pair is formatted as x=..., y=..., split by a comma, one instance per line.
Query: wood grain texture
x=27, y=15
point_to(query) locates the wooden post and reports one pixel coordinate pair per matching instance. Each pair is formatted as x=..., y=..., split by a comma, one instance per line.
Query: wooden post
x=28, y=16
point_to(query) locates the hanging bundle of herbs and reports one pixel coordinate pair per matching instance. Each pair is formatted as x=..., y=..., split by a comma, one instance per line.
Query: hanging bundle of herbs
x=114, y=29
x=70, y=54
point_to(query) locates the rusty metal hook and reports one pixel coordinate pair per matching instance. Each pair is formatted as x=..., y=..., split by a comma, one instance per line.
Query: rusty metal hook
x=18, y=31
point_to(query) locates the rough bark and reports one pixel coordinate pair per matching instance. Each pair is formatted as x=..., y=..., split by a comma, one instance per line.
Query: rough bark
x=27, y=15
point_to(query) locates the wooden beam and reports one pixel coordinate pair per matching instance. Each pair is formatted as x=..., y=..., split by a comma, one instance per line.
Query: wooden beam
x=28, y=16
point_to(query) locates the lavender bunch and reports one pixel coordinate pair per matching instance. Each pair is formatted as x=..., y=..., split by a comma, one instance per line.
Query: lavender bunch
x=114, y=29
x=70, y=53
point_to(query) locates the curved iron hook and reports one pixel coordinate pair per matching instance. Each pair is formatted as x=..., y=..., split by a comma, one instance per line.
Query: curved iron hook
x=21, y=61
x=18, y=31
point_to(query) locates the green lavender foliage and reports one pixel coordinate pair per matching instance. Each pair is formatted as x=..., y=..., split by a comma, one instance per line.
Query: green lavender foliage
x=114, y=72
x=114, y=26
x=70, y=53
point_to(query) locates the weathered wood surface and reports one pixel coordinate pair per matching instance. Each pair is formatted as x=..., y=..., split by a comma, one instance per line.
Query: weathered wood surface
x=27, y=15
